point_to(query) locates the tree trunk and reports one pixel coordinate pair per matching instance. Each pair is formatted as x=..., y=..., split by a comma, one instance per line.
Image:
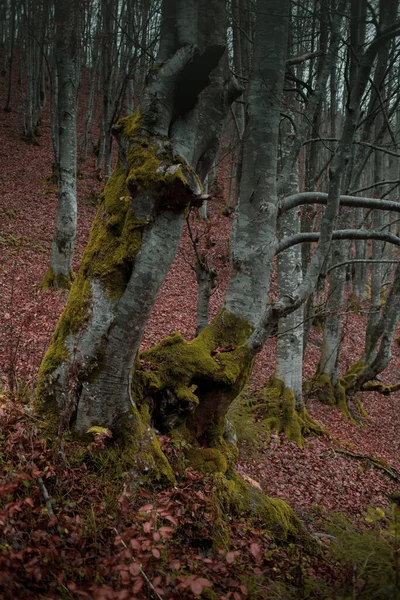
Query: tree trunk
x=59, y=273
x=289, y=353
x=86, y=375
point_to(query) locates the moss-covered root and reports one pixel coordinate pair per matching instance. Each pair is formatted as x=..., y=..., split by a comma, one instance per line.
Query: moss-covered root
x=236, y=497
x=195, y=382
x=280, y=413
x=51, y=280
x=321, y=387
x=135, y=455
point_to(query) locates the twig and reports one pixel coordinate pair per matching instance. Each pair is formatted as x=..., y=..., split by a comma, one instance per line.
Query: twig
x=46, y=497
x=140, y=569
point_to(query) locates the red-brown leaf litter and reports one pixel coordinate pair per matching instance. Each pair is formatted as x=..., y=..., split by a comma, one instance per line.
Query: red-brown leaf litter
x=144, y=530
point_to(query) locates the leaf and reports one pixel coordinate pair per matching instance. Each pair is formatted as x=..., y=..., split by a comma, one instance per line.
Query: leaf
x=156, y=553
x=230, y=557
x=166, y=532
x=147, y=526
x=134, y=569
x=197, y=585
x=256, y=550
x=137, y=586
x=146, y=508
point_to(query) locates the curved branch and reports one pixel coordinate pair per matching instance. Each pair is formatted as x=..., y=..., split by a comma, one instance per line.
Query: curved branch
x=321, y=198
x=361, y=260
x=340, y=234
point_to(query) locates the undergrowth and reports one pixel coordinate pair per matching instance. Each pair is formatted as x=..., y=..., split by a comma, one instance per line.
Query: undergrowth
x=373, y=555
x=66, y=532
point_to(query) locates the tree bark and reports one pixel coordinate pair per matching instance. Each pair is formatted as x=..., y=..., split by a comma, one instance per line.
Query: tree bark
x=165, y=148
x=59, y=274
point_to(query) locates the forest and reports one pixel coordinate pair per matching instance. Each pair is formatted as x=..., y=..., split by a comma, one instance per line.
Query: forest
x=200, y=299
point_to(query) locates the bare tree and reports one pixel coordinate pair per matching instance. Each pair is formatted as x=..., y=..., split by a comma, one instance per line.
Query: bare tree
x=59, y=273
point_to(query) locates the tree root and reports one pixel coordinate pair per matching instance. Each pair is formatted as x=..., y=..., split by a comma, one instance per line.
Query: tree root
x=375, y=462
x=377, y=386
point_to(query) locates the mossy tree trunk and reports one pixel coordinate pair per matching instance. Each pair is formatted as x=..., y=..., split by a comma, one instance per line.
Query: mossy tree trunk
x=196, y=382
x=165, y=149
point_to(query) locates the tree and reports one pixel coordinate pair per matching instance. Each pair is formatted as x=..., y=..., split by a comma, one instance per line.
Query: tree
x=165, y=149
x=92, y=375
x=66, y=16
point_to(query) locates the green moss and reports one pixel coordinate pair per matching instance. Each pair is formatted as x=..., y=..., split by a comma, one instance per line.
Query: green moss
x=236, y=497
x=179, y=362
x=341, y=399
x=136, y=452
x=377, y=386
x=276, y=405
x=209, y=594
x=291, y=420
x=351, y=376
x=115, y=238
x=203, y=376
x=131, y=124
x=207, y=460
x=74, y=315
x=51, y=280
x=360, y=408
x=320, y=386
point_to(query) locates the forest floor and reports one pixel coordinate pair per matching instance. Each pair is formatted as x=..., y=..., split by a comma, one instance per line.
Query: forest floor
x=316, y=480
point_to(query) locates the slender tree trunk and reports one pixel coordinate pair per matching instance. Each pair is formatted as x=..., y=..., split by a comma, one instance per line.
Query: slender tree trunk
x=60, y=270
x=289, y=353
x=7, y=107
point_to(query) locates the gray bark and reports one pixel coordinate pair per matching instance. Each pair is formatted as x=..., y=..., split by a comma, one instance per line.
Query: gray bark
x=333, y=323
x=206, y=281
x=253, y=238
x=289, y=353
x=115, y=323
x=67, y=80
x=287, y=304
x=381, y=338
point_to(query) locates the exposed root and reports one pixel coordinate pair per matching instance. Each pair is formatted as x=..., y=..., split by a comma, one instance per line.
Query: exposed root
x=377, y=386
x=235, y=496
x=377, y=463
x=275, y=409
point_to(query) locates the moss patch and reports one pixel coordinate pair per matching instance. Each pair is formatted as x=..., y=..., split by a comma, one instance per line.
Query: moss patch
x=351, y=376
x=236, y=497
x=135, y=454
x=51, y=280
x=200, y=377
x=275, y=408
x=207, y=460
x=74, y=315
x=321, y=387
